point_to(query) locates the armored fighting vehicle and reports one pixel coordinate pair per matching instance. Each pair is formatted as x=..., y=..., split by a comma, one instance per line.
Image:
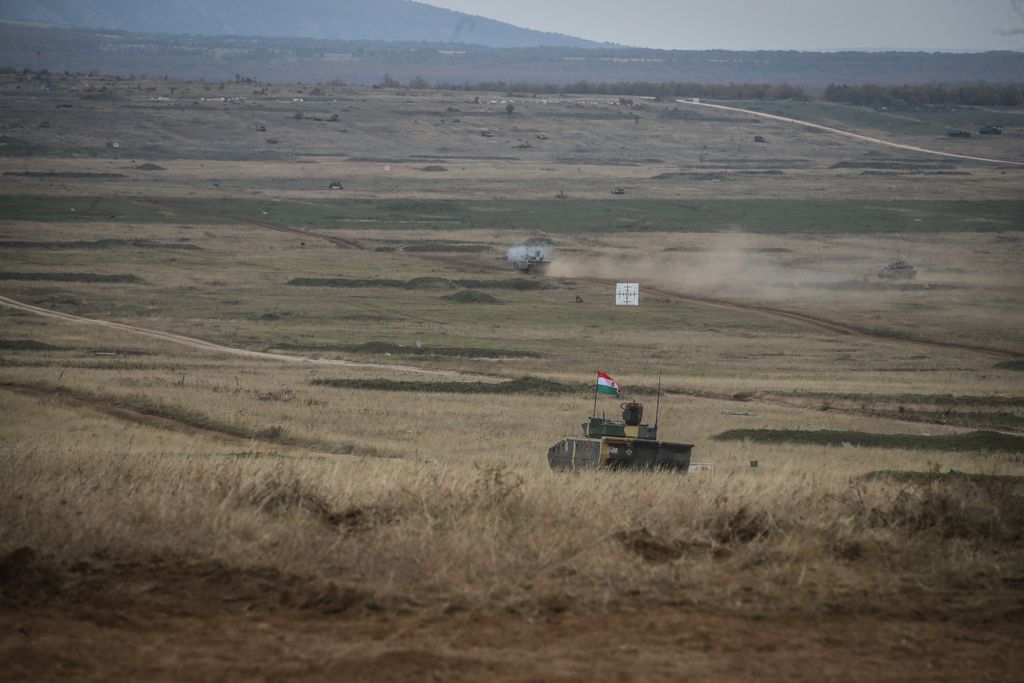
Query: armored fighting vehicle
x=898, y=270
x=619, y=444
x=533, y=262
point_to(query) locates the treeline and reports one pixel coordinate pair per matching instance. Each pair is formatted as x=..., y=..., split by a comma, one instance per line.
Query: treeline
x=971, y=94
x=666, y=90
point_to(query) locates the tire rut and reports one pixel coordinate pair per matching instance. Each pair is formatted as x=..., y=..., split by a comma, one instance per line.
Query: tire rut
x=203, y=345
x=149, y=418
x=822, y=324
x=830, y=326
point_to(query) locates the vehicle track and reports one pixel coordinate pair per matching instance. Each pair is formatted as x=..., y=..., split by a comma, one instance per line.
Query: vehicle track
x=830, y=326
x=822, y=324
x=143, y=417
x=163, y=420
x=230, y=350
x=846, y=133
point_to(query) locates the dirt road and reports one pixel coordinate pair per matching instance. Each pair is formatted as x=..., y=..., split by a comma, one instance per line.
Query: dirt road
x=848, y=134
x=230, y=350
x=172, y=619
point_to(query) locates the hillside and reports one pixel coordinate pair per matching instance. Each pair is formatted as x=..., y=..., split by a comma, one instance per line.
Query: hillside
x=380, y=20
x=366, y=62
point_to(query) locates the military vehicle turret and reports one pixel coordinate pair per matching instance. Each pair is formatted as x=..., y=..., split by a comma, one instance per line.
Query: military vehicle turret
x=619, y=444
x=898, y=270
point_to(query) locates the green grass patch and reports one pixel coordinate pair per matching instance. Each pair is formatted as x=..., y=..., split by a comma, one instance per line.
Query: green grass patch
x=778, y=216
x=979, y=420
x=106, y=209
x=764, y=216
x=63, y=174
x=91, y=245
x=468, y=296
x=973, y=441
x=26, y=345
x=121, y=278
x=518, y=284
x=344, y=282
x=442, y=247
x=524, y=385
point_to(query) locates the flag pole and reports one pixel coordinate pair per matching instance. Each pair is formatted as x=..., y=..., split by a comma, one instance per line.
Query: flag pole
x=596, y=377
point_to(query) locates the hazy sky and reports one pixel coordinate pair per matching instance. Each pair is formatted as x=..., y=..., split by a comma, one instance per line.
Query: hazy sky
x=767, y=24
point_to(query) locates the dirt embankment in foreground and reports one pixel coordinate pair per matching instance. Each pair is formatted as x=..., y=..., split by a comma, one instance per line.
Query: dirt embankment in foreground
x=174, y=619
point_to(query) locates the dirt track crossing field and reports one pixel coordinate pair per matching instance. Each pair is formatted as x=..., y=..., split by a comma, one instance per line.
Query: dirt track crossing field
x=156, y=420
x=164, y=421
x=854, y=136
x=824, y=325
x=219, y=348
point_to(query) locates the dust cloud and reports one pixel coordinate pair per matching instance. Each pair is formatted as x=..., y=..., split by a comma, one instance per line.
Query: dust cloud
x=729, y=265
x=528, y=250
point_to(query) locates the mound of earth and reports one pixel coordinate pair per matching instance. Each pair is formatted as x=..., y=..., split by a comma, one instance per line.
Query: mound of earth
x=468, y=296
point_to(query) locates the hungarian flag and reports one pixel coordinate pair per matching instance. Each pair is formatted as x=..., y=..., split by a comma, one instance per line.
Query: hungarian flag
x=606, y=385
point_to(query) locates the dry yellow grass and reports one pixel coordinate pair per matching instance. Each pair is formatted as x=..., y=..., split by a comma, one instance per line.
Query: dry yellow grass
x=483, y=525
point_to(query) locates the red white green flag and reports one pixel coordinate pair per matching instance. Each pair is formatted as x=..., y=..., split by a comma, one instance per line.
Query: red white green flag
x=606, y=385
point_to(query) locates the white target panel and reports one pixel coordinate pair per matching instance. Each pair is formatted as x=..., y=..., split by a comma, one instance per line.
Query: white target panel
x=627, y=294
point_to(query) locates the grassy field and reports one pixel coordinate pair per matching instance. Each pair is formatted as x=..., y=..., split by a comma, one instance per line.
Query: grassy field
x=755, y=216
x=374, y=473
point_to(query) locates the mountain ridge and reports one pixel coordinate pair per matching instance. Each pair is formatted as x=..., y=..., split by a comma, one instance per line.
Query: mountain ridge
x=379, y=20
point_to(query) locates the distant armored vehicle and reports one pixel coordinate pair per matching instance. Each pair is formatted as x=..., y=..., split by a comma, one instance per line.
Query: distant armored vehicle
x=991, y=130
x=619, y=190
x=898, y=270
x=615, y=444
x=532, y=262
x=957, y=133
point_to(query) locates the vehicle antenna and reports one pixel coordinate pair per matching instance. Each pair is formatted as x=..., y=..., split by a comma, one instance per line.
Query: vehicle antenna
x=657, y=407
